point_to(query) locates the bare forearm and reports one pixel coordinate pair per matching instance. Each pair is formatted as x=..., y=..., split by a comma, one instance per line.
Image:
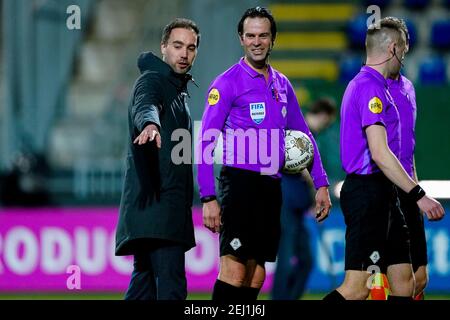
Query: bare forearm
x=415, y=171
x=394, y=171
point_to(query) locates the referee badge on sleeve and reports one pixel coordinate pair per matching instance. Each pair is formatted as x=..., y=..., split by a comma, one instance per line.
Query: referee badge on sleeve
x=375, y=105
x=213, y=97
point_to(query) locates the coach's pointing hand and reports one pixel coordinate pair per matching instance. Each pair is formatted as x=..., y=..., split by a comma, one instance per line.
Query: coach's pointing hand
x=211, y=216
x=149, y=133
x=323, y=204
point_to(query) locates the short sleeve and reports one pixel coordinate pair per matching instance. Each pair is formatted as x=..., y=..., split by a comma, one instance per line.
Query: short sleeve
x=372, y=106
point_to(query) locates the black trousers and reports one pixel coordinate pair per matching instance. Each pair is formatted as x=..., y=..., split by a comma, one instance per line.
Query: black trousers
x=159, y=274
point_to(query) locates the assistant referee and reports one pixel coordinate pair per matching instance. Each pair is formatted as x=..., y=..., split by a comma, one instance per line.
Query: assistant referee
x=377, y=238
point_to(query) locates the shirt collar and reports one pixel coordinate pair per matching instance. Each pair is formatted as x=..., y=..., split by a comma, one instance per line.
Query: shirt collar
x=375, y=73
x=271, y=73
x=253, y=73
x=395, y=83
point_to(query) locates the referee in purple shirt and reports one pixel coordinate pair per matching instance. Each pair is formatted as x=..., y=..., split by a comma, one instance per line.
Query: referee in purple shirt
x=377, y=238
x=251, y=105
x=404, y=95
x=402, y=91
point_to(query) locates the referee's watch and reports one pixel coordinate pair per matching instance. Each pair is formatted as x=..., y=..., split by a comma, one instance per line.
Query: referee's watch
x=207, y=199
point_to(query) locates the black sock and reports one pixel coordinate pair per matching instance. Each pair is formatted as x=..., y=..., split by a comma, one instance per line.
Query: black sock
x=397, y=298
x=249, y=293
x=225, y=292
x=334, y=296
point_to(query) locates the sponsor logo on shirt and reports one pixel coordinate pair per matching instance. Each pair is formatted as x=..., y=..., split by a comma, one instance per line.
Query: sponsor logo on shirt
x=213, y=97
x=375, y=105
x=258, y=112
x=284, y=111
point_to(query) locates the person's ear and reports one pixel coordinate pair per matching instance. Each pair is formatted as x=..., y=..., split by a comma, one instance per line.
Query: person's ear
x=241, y=39
x=392, y=49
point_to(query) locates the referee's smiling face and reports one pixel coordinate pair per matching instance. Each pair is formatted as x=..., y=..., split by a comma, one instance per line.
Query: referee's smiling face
x=256, y=40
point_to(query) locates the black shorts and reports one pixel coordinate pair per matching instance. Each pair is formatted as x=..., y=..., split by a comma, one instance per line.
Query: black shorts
x=414, y=221
x=376, y=235
x=251, y=206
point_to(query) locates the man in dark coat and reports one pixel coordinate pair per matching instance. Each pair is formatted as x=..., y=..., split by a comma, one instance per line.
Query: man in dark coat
x=155, y=223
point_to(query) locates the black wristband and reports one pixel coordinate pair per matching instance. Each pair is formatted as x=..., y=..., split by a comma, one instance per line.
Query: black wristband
x=207, y=199
x=416, y=193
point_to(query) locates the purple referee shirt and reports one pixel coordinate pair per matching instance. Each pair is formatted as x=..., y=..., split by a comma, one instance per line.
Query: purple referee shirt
x=404, y=95
x=251, y=114
x=366, y=102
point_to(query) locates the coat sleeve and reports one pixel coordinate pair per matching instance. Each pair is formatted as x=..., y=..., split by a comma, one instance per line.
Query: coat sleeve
x=147, y=101
x=145, y=108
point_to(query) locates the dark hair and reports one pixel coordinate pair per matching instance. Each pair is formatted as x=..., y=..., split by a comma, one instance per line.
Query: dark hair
x=258, y=12
x=324, y=105
x=180, y=23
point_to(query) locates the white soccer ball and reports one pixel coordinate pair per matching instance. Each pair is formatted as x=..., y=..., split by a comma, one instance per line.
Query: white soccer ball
x=299, y=151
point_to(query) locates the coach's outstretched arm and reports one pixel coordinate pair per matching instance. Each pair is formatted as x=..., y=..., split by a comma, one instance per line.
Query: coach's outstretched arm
x=391, y=167
x=145, y=109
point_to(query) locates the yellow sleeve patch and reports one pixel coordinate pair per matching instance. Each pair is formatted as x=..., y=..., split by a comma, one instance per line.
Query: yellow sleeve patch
x=213, y=97
x=375, y=105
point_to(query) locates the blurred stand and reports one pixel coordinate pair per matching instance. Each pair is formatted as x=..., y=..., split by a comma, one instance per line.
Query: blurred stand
x=24, y=185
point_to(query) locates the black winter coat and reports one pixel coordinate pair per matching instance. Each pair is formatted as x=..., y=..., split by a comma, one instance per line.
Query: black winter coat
x=157, y=194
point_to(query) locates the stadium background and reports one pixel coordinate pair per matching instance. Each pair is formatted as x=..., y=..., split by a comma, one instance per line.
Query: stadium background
x=63, y=99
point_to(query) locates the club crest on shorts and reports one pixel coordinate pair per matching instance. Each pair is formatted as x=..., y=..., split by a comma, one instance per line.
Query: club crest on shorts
x=235, y=243
x=375, y=256
x=258, y=112
x=284, y=111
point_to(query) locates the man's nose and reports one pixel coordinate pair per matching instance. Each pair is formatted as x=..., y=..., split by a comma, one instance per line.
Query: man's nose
x=184, y=53
x=257, y=41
